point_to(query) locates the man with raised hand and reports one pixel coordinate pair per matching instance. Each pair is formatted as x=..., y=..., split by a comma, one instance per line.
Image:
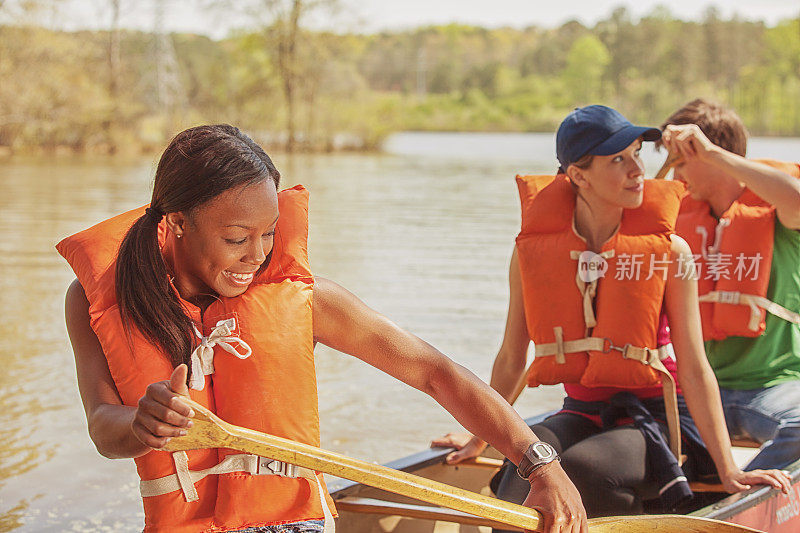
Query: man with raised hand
x=741, y=219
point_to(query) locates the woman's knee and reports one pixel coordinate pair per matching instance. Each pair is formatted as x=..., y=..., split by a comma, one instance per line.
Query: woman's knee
x=588, y=472
x=614, y=459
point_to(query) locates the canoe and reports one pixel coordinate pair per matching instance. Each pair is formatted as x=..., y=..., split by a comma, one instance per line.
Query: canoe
x=363, y=509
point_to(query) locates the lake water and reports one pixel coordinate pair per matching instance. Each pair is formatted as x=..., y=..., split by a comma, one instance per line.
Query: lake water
x=422, y=233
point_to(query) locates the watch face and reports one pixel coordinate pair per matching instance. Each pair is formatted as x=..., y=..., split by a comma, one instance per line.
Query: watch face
x=543, y=451
x=539, y=453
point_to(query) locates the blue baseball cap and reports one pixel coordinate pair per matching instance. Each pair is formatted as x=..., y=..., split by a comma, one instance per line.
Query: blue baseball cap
x=597, y=130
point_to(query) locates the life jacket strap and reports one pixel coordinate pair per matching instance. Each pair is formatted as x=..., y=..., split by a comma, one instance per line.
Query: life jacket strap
x=654, y=358
x=184, y=479
x=330, y=523
x=203, y=356
x=706, y=250
x=647, y=356
x=755, y=302
x=588, y=290
x=670, y=392
x=560, y=353
x=184, y=476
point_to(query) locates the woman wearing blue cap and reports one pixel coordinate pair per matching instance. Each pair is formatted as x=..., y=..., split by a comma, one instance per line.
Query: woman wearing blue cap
x=596, y=273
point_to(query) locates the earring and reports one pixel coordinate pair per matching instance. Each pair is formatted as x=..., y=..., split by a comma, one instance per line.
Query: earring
x=179, y=235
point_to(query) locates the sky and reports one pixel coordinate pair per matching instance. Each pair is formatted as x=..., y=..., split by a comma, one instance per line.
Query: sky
x=377, y=15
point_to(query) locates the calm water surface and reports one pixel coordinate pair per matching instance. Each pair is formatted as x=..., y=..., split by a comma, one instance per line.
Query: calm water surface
x=422, y=233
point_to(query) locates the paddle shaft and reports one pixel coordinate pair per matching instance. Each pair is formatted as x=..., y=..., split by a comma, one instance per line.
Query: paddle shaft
x=209, y=431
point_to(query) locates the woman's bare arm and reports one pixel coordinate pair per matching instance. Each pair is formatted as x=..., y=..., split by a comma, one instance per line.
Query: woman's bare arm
x=345, y=323
x=697, y=380
x=114, y=428
x=509, y=364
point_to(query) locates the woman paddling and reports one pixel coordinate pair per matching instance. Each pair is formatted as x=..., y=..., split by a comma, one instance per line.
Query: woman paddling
x=210, y=288
x=595, y=273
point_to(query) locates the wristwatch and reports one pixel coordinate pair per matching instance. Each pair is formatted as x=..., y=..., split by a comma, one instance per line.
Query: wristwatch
x=538, y=454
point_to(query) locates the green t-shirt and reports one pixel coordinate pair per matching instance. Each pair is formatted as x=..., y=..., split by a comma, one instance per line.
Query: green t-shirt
x=774, y=357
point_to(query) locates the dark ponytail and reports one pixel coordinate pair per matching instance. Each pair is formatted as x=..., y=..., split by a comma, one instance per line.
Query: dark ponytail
x=199, y=164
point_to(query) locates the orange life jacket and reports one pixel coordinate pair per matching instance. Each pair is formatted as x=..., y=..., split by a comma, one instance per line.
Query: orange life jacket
x=272, y=390
x=597, y=333
x=734, y=257
x=560, y=307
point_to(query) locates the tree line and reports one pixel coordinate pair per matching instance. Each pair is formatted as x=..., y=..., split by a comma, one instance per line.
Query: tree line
x=124, y=90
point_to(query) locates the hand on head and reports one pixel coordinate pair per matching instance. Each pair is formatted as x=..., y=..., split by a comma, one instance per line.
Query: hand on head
x=688, y=141
x=161, y=414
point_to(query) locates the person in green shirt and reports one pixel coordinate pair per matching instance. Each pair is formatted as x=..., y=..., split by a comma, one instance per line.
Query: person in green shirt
x=759, y=377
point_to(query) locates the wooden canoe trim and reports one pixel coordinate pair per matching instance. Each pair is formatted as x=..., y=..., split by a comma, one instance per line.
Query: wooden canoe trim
x=480, y=462
x=745, y=443
x=699, y=486
x=422, y=512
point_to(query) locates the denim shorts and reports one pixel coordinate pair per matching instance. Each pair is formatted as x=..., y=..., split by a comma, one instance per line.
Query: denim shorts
x=306, y=526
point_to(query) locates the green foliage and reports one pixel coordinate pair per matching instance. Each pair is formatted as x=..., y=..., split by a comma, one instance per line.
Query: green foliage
x=352, y=90
x=586, y=64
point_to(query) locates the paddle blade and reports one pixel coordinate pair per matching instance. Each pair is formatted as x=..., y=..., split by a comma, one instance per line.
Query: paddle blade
x=207, y=431
x=663, y=524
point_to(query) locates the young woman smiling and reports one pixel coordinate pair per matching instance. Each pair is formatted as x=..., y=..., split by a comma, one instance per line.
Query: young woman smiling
x=210, y=295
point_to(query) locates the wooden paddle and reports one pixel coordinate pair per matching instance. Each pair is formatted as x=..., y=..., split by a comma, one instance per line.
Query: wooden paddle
x=209, y=431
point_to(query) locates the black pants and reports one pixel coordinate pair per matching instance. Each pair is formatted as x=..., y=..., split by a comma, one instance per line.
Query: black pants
x=609, y=468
